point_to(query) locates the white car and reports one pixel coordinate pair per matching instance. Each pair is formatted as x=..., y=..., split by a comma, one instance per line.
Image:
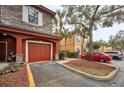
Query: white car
x=115, y=55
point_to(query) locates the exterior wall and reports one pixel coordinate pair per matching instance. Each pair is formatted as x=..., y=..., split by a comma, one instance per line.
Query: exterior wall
x=11, y=23
x=11, y=15
x=19, y=45
x=78, y=43
x=105, y=48
x=70, y=44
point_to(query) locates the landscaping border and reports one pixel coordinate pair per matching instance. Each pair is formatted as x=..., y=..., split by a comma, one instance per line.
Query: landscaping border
x=101, y=78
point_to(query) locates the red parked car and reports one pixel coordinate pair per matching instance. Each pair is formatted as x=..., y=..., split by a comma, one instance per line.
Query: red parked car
x=97, y=56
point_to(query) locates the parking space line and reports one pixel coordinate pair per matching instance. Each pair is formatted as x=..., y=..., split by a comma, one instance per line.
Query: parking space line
x=30, y=77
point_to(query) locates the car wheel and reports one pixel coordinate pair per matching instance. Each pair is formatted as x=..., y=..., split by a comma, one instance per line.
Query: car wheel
x=115, y=58
x=102, y=60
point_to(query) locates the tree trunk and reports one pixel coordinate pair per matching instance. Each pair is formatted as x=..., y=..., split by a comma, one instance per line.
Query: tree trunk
x=103, y=48
x=82, y=45
x=61, y=25
x=65, y=46
x=90, y=41
x=112, y=48
x=91, y=45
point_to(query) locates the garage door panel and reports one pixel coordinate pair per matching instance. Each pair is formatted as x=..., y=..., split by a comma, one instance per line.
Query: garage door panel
x=39, y=52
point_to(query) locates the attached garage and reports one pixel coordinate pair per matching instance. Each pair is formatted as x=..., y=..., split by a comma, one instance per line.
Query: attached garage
x=27, y=42
x=38, y=51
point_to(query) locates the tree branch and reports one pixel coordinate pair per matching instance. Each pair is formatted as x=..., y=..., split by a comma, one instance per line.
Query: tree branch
x=86, y=15
x=106, y=13
x=84, y=26
x=80, y=24
x=97, y=7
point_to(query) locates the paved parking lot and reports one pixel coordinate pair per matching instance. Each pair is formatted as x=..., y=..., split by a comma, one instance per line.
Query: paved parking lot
x=50, y=74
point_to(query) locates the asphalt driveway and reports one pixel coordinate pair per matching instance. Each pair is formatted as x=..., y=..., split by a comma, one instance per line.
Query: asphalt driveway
x=50, y=74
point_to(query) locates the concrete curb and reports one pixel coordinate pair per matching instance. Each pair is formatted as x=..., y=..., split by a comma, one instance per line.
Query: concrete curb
x=101, y=78
x=30, y=77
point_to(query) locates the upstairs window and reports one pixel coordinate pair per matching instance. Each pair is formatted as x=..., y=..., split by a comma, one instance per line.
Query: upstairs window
x=33, y=16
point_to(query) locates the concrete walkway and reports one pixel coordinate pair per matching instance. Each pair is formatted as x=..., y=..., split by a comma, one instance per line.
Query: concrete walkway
x=66, y=60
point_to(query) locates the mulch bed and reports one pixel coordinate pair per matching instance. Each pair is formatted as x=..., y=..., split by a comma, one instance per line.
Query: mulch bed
x=94, y=68
x=15, y=79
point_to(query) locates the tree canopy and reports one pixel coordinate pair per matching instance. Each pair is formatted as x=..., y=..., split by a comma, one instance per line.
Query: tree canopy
x=117, y=41
x=96, y=45
x=90, y=17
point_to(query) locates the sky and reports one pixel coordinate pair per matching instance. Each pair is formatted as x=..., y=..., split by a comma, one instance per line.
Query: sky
x=100, y=33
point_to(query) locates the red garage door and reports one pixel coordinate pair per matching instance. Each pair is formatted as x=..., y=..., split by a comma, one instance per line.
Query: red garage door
x=39, y=52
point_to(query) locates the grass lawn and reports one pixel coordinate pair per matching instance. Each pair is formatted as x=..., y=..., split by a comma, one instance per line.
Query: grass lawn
x=94, y=68
x=15, y=79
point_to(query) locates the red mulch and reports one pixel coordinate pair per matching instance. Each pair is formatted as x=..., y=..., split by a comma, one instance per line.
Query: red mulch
x=16, y=79
x=94, y=68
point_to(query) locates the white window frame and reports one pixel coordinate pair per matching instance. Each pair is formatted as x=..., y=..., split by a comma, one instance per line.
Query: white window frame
x=25, y=17
x=29, y=11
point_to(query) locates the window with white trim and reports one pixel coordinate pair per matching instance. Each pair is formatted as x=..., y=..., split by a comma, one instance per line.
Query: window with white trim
x=32, y=16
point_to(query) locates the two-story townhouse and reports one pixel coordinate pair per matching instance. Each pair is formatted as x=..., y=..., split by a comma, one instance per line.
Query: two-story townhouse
x=74, y=44
x=26, y=32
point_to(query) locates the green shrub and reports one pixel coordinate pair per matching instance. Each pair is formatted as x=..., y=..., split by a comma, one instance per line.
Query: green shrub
x=72, y=54
x=18, y=65
x=61, y=55
x=84, y=50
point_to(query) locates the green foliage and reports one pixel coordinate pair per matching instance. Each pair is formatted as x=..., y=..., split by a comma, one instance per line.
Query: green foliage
x=96, y=45
x=72, y=54
x=84, y=15
x=90, y=17
x=68, y=54
x=61, y=55
x=18, y=65
x=59, y=21
x=84, y=50
x=117, y=41
x=65, y=33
